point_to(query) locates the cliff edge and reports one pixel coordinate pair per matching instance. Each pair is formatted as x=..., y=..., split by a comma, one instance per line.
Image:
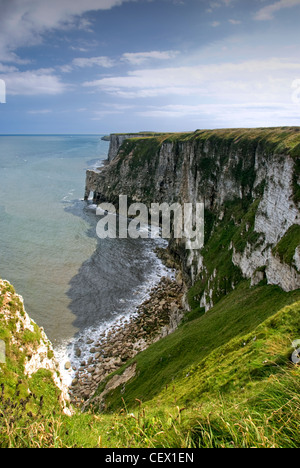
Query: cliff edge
x=248, y=180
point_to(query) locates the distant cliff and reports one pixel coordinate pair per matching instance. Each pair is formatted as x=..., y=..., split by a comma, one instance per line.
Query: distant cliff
x=116, y=140
x=249, y=182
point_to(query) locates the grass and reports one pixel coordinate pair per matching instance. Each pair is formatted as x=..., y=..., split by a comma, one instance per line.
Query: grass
x=223, y=379
x=30, y=419
x=170, y=359
x=244, y=393
x=268, y=421
x=274, y=139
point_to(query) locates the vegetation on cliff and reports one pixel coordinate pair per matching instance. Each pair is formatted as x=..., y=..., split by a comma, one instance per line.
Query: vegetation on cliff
x=141, y=155
x=30, y=398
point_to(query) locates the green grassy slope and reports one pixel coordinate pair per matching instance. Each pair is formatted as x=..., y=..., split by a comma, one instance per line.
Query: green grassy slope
x=222, y=379
x=171, y=359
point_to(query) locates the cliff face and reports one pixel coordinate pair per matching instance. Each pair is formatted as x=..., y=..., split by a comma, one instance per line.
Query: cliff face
x=117, y=139
x=249, y=183
x=115, y=143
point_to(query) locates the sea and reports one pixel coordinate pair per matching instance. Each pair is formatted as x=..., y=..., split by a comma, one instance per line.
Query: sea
x=74, y=284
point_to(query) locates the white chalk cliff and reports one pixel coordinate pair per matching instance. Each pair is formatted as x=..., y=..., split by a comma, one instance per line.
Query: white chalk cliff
x=256, y=168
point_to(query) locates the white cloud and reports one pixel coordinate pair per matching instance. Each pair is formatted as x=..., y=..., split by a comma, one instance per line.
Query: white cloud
x=39, y=111
x=79, y=49
x=138, y=58
x=7, y=68
x=66, y=68
x=33, y=82
x=218, y=4
x=267, y=12
x=264, y=79
x=247, y=114
x=254, y=92
x=88, y=62
x=83, y=62
x=106, y=62
x=23, y=23
x=103, y=114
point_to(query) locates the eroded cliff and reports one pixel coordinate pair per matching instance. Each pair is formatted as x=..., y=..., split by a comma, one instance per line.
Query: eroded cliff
x=27, y=351
x=248, y=180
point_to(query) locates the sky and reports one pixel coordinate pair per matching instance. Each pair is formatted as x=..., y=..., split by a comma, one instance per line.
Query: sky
x=104, y=66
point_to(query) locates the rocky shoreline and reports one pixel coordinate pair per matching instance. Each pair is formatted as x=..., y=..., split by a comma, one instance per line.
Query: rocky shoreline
x=155, y=318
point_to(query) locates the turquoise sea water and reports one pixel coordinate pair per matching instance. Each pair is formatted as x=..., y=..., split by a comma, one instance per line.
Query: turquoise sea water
x=73, y=283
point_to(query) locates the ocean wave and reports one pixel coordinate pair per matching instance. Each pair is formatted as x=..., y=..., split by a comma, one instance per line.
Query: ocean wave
x=78, y=349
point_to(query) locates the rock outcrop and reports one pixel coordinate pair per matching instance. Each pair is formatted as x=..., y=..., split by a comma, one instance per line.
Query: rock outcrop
x=27, y=342
x=249, y=183
x=117, y=139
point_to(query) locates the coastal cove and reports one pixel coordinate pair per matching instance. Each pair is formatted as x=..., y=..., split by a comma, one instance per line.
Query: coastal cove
x=74, y=285
x=155, y=318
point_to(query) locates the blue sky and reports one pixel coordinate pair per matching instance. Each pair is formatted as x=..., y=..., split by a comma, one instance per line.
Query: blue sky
x=102, y=66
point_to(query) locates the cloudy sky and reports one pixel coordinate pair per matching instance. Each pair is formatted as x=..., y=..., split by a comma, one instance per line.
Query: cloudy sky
x=101, y=66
